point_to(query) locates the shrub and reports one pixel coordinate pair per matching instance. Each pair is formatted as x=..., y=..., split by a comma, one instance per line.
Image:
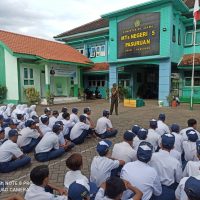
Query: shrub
x=50, y=98
x=32, y=95
x=3, y=92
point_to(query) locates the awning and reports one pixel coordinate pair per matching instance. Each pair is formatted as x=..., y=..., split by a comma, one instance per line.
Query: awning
x=187, y=61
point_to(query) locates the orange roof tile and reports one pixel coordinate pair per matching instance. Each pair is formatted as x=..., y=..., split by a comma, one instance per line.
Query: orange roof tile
x=98, y=67
x=187, y=60
x=42, y=48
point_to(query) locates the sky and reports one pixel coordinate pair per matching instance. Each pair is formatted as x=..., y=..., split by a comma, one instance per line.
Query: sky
x=48, y=18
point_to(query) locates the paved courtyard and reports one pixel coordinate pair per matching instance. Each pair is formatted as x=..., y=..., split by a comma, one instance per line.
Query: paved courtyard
x=19, y=180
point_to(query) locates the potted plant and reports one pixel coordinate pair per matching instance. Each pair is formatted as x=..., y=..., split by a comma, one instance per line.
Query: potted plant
x=3, y=92
x=171, y=100
x=32, y=96
x=50, y=98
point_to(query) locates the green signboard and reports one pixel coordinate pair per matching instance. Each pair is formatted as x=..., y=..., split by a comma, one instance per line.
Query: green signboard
x=139, y=35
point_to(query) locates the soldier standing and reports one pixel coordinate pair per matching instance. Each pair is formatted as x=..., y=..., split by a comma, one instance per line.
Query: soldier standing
x=114, y=99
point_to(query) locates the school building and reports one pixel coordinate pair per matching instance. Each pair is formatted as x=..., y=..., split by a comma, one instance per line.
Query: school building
x=48, y=66
x=147, y=48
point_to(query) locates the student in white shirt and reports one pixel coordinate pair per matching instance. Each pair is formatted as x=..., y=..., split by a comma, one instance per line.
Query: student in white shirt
x=47, y=112
x=141, y=136
x=104, y=128
x=48, y=148
x=162, y=127
x=192, y=124
x=40, y=187
x=80, y=131
x=2, y=136
x=33, y=111
x=87, y=112
x=29, y=137
x=141, y=175
x=53, y=119
x=135, y=129
x=175, y=128
x=21, y=121
x=168, y=168
x=188, y=189
x=64, y=110
x=74, y=115
x=44, y=124
x=12, y=125
x=114, y=187
x=1, y=121
x=193, y=167
x=11, y=157
x=68, y=125
x=189, y=146
x=124, y=150
x=153, y=137
x=103, y=165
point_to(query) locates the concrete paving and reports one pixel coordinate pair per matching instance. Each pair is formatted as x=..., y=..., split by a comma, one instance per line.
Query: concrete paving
x=19, y=181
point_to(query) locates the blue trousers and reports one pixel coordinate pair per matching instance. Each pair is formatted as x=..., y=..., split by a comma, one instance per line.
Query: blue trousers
x=28, y=148
x=81, y=138
x=46, y=156
x=10, y=166
x=108, y=134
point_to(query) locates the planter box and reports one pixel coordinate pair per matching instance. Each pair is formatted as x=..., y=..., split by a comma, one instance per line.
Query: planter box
x=133, y=103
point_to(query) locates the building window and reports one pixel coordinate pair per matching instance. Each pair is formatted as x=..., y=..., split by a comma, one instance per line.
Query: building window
x=197, y=42
x=97, y=51
x=174, y=34
x=179, y=37
x=188, y=78
x=189, y=39
x=81, y=51
x=28, y=76
x=96, y=83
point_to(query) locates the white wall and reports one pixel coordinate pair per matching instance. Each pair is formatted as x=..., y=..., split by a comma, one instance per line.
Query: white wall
x=11, y=76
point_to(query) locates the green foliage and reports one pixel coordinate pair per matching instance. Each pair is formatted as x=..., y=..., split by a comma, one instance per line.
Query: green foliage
x=32, y=95
x=50, y=98
x=124, y=93
x=3, y=92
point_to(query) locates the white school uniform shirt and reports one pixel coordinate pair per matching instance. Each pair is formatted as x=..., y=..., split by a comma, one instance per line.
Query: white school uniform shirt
x=9, y=149
x=74, y=118
x=44, y=128
x=52, y=121
x=190, y=151
x=180, y=192
x=21, y=124
x=102, y=124
x=142, y=176
x=178, y=142
x=67, y=125
x=183, y=133
x=27, y=134
x=168, y=168
x=37, y=192
x=72, y=176
x=174, y=153
x=78, y=129
x=162, y=128
x=48, y=142
x=136, y=143
x=192, y=169
x=7, y=129
x=101, y=169
x=153, y=138
x=60, y=118
x=87, y=120
x=123, y=151
x=61, y=138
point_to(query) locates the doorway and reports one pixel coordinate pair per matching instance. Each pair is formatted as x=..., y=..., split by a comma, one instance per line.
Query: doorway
x=42, y=84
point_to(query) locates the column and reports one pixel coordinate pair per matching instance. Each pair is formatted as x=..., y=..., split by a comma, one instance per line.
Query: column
x=164, y=80
x=113, y=75
x=47, y=78
x=76, y=81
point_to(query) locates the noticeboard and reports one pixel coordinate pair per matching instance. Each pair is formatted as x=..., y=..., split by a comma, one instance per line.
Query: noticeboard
x=139, y=36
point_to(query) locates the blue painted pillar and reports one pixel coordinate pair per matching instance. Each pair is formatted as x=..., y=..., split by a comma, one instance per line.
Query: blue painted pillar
x=113, y=75
x=164, y=80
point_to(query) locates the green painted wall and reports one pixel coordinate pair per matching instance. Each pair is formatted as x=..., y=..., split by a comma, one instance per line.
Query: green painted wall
x=2, y=67
x=61, y=86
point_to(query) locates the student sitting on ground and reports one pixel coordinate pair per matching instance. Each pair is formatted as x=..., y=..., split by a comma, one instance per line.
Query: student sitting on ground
x=53, y=119
x=74, y=115
x=162, y=126
x=29, y=137
x=44, y=124
x=13, y=123
x=113, y=189
x=124, y=150
x=48, y=148
x=135, y=129
x=80, y=131
x=104, y=128
x=141, y=136
x=20, y=120
x=68, y=125
x=41, y=189
x=103, y=165
x=64, y=110
x=11, y=157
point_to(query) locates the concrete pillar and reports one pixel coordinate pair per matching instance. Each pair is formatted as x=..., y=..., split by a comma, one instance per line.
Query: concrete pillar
x=113, y=75
x=164, y=80
x=47, y=78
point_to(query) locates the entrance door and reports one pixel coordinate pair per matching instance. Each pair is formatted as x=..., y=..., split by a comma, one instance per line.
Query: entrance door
x=42, y=84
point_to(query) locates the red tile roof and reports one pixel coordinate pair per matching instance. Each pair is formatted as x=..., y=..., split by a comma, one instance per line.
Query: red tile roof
x=187, y=60
x=98, y=67
x=94, y=25
x=189, y=3
x=42, y=48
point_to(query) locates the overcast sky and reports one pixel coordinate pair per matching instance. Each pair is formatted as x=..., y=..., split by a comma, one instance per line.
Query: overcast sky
x=47, y=18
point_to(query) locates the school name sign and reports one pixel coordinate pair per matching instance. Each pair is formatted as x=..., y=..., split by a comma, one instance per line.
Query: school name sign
x=139, y=35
